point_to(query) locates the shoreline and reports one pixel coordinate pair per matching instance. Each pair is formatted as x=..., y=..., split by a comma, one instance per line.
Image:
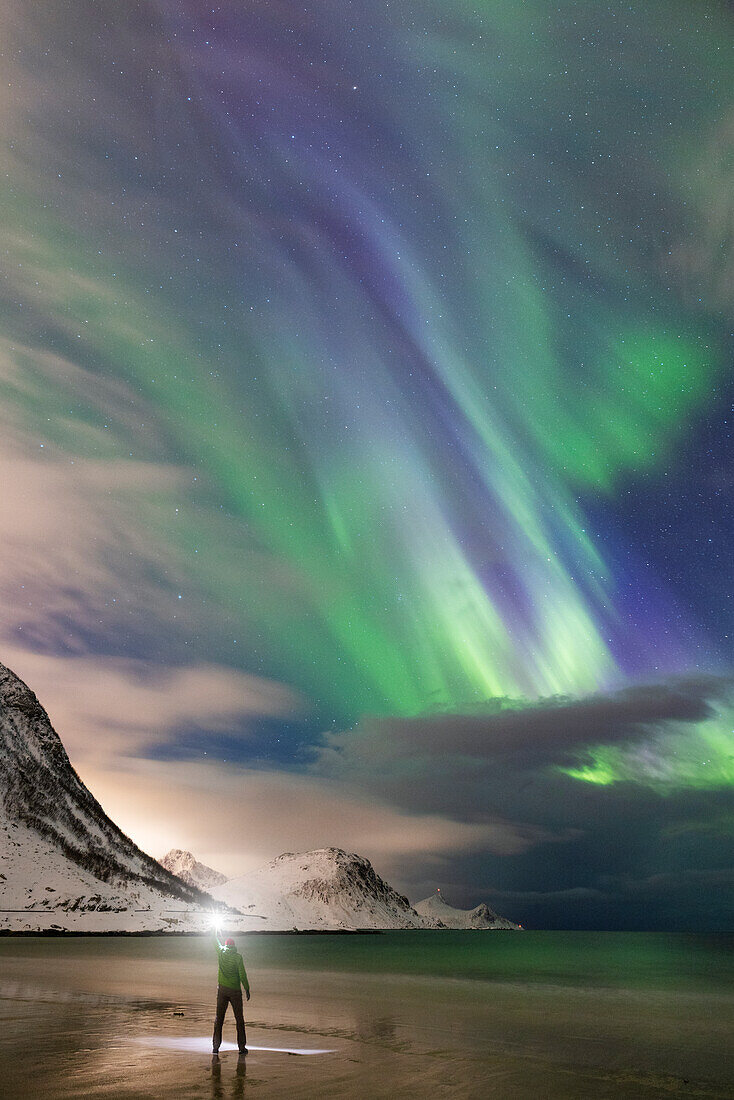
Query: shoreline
x=61, y=933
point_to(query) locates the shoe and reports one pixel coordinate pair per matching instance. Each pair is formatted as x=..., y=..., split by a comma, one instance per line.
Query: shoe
x=215, y=1054
x=244, y=1052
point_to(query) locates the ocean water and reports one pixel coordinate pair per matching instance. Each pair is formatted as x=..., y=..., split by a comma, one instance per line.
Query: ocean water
x=401, y=1014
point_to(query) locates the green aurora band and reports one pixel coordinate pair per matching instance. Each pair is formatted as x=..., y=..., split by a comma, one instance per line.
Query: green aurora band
x=398, y=341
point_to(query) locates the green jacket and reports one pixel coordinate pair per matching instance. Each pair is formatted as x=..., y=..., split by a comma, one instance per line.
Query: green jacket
x=231, y=968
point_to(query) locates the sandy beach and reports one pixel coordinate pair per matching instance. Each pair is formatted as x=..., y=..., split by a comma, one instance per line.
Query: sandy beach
x=132, y=1019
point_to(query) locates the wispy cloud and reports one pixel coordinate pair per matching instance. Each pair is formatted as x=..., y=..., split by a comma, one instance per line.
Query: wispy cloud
x=108, y=709
x=237, y=818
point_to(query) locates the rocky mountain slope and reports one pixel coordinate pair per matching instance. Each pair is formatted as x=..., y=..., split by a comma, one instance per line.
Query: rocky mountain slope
x=184, y=866
x=63, y=863
x=325, y=888
x=445, y=916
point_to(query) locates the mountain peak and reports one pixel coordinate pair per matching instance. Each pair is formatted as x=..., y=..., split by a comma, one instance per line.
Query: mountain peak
x=321, y=888
x=187, y=867
x=328, y=859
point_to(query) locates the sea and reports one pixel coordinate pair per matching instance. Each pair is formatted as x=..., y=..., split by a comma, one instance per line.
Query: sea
x=507, y=1015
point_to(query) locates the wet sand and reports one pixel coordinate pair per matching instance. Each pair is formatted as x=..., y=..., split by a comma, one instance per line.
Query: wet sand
x=106, y=1022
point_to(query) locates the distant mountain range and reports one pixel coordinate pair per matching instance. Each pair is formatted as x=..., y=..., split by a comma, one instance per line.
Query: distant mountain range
x=330, y=888
x=481, y=917
x=65, y=866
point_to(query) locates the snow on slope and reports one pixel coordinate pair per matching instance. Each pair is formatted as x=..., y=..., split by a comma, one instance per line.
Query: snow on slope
x=186, y=867
x=63, y=863
x=325, y=888
x=436, y=909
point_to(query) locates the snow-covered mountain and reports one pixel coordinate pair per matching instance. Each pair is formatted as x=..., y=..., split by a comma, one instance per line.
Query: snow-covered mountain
x=63, y=863
x=186, y=867
x=445, y=916
x=325, y=888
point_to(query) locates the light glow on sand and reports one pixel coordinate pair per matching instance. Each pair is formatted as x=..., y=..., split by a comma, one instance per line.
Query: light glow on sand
x=202, y=1044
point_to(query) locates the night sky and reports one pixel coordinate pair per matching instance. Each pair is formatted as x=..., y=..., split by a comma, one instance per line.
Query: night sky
x=367, y=398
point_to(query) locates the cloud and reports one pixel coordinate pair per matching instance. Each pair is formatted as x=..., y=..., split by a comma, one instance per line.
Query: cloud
x=682, y=899
x=508, y=766
x=532, y=731
x=706, y=880
x=572, y=895
x=114, y=540
x=81, y=566
x=111, y=708
x=236, y=818
x=704, y=261
x=111, y=713
x=506, y=762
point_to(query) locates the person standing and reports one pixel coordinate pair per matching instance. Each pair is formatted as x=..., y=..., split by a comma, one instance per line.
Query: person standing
x=232, y=975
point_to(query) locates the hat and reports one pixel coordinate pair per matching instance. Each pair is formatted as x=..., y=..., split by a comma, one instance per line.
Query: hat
x=229, y=942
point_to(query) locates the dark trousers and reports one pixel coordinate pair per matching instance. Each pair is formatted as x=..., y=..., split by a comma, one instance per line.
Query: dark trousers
x=229, y=997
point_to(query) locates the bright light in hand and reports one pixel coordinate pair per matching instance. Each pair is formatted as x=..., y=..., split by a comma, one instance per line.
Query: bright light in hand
x=215, y=921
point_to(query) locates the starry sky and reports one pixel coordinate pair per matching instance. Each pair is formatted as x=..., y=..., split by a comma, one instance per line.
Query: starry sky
x=366, y=379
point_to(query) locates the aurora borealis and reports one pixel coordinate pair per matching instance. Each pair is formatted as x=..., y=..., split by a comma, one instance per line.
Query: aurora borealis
x=377, y=359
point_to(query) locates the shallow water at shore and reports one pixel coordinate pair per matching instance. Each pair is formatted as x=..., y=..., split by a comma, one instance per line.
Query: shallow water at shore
x=464, y=1014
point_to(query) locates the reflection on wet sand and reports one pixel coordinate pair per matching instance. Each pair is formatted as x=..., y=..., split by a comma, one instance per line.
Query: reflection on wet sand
x=238, y=1080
